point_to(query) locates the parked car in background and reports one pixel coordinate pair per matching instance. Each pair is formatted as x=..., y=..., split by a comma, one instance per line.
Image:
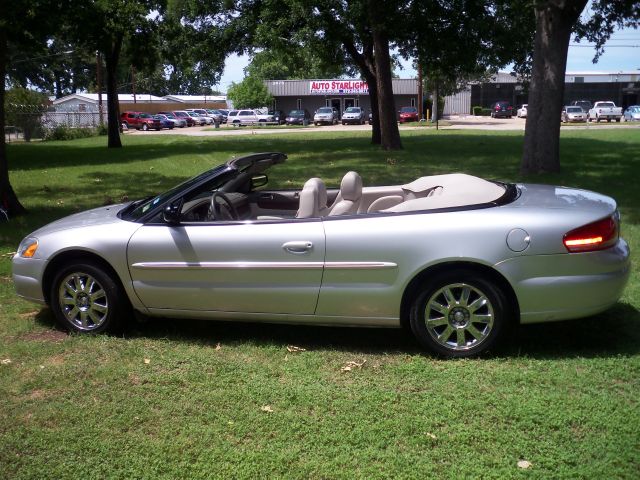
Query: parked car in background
x=573, y=114
x=164, y=121
x=453, y=258
x=129, y=119
x=250, y=117
x=632, y=114
x=217, y=115
x=298, y=117
x=278, y=116
x=231, y=115
x=201, y=120
x=326, y=116
x=211, y=117
x=139, y=121
x=522, y=111
x=353, y=115
x=584, y=104
x=177, y=122
x=605, y=110
x=181, y=114
x=408, y=114
x=501, y=109
x=370, y=117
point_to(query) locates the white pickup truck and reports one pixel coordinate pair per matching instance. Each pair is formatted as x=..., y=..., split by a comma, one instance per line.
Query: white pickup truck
x=605, y=111
x=249, y=117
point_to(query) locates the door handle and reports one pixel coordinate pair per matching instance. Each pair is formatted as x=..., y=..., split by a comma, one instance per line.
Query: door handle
x=298, y=248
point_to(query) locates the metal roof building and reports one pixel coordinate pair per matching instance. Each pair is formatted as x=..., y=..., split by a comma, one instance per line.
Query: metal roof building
x=623, y=88
x=338, y=93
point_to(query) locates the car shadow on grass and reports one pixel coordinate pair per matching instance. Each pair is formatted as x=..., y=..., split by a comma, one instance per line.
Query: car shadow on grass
x=612, y=333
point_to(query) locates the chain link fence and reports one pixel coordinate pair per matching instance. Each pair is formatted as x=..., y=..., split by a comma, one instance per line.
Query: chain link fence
x=26, y=122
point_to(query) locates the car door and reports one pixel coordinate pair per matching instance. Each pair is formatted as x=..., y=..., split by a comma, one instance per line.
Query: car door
x=253, y=267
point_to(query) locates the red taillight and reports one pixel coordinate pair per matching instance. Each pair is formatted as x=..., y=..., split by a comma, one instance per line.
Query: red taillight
x=594, y=236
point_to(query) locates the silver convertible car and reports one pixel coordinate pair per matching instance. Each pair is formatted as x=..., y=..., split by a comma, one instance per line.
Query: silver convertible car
x=454, y=258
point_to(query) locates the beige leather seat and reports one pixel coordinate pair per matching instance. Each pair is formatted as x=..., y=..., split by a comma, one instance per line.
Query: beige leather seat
x=350, y=195
x=310, y=196
x=383, y=203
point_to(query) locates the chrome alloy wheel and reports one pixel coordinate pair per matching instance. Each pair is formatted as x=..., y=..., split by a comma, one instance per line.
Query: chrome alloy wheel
x=83, y=301
x=459, y=316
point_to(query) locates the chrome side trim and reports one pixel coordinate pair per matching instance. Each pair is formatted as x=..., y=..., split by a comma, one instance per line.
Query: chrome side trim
x=359, y=265
x=228, y=265
x=264, y=265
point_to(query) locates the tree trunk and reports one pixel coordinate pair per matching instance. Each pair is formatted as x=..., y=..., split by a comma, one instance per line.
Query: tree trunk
x=376, y=137
x=113, y=107
x=389, y=133
x=554, y=22
x=366, y=64
x=8, y=198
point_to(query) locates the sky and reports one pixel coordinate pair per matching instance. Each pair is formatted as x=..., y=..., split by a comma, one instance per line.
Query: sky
x=622, y=54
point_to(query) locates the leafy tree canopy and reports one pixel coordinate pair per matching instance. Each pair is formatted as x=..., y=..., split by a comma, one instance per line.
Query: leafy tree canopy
x=250, y=93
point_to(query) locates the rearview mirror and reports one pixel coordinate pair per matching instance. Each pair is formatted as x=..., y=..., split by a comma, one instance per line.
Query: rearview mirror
x=172, y=213
x=259, y=181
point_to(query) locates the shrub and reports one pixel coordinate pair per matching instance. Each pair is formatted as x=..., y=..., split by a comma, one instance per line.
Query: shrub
x=62, y=132
x=102, y=130
x=486, y=112
x=476, y=111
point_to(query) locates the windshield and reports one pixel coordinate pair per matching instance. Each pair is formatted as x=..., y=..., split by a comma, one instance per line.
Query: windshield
x=352, y=110
x=408, y=109
x=147, y=205
x=296, y=113
x=325, y=110
x=605, y=104
x=574, y=109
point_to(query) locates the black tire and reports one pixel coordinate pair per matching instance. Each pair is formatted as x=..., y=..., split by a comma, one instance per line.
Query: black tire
x=455, y=334
x=100, y=303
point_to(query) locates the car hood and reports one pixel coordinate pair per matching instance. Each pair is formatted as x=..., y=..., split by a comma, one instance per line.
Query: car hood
x=96, y=216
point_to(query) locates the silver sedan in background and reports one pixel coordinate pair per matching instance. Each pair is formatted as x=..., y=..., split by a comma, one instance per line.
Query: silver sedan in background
x=632, y=114
x=453, y=258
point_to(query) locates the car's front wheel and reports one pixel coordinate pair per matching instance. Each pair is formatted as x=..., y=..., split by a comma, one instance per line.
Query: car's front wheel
x=85, y=299
x=459, y=314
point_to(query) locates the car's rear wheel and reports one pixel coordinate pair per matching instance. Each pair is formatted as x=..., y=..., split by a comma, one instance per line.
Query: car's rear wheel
x=85, y=299
x=459, y=314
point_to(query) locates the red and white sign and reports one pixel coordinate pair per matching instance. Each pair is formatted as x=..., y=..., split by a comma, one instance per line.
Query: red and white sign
x=332, y=87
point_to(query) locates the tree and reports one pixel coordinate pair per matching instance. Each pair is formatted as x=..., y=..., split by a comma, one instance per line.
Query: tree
x=24, y=26
x=299, y=62
x=555, y=22
x=108, y=25
x=250, y=93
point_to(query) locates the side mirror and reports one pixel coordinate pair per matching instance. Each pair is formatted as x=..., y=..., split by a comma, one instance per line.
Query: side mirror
x=259, y=181
x=172, y=213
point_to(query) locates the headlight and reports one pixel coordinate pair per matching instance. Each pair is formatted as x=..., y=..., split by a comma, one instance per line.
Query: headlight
x=28, y=247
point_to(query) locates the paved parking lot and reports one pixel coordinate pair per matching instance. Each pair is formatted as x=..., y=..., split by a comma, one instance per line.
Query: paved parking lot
x=458, y=122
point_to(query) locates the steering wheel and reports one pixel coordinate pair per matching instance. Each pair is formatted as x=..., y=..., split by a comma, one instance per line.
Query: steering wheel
x=216, y=212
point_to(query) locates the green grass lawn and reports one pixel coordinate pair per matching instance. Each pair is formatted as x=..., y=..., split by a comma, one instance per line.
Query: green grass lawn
x=187, y=399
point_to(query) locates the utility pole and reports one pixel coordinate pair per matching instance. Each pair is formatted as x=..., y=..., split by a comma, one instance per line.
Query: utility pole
x=133, y=83
x=99, y=74
x=420, y=112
